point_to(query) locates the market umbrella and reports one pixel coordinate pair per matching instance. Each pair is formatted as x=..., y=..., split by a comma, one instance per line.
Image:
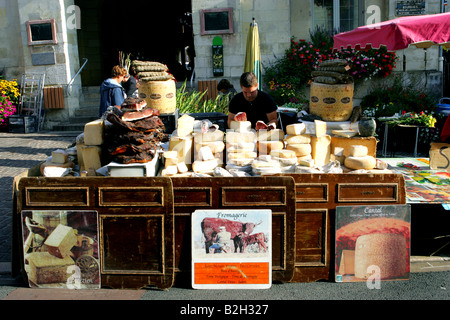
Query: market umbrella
x=396, y=34
x=252, y=52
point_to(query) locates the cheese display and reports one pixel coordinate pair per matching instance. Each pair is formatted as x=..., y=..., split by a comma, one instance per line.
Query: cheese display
x=265, y=147
x=300, y=149
x=357, y=151
x=321, y=128
x=59, y=156
x=294, y=139
x=270, y=135
x=184, y=147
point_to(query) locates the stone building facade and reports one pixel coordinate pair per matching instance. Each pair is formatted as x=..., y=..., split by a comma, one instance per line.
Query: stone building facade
x=278, y=22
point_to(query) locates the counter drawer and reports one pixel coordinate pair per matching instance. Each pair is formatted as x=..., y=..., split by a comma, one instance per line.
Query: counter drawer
x=314, y=192
x=251, y=196
x=367, y=192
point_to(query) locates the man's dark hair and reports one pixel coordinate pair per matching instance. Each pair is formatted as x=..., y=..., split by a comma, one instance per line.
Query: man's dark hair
x=248, y=79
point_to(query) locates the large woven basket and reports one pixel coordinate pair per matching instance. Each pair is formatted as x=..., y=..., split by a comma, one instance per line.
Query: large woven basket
x=159, y=95
x=331, y=102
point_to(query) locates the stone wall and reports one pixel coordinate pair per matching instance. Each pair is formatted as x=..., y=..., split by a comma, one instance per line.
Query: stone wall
x=61, y=59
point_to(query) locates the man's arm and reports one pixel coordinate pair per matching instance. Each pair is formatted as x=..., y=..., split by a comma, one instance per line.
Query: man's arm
x=230, y=118
x=272, y=118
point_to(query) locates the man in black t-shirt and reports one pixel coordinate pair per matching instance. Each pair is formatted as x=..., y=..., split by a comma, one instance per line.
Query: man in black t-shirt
x=258, y=105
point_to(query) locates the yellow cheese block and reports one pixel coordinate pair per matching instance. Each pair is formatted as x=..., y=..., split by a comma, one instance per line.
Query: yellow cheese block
x=59, y=156
x=321, y=128
x=61, y=241
x=345, y=143
x=300, y=149
x=265, y=147
x=92, y=159
x=296, y=128
x=320, y=149
x=240, y=126
x=184, y=147
x=94, y=133
x=185, y=125
x=270, y=135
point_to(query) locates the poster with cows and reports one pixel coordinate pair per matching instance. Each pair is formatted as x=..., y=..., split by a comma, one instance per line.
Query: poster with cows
x=372, y=243
x=231, y=249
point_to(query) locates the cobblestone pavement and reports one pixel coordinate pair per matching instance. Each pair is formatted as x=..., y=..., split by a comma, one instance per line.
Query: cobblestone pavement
x=18, y=153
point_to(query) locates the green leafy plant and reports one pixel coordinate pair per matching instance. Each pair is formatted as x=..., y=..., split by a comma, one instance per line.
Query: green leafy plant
x=293, y=69
x=421, y=119
x=192, y=101
x=393, y=97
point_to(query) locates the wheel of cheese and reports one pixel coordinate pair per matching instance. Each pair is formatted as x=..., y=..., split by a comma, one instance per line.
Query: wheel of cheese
x=205, y=166
x=358, y=151
x=387, y=251
x=301, y=138
x=241, y=161
x=356, y=163
x=300, y=149
x=241, y=146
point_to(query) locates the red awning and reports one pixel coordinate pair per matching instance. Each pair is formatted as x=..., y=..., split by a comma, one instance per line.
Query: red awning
x=422, y=31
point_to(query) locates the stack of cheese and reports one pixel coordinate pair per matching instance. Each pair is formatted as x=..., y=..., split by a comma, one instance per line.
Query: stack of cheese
x=89, y=147
x=357, y=158
x=178, y=159
x=57, y=165
x=240, y=146
x=208, y=150
x=320, y=144
x=299, y=142
x=268, y=140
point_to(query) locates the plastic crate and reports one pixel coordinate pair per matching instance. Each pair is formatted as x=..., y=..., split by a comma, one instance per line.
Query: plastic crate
x=22, y=124
x=215, y=117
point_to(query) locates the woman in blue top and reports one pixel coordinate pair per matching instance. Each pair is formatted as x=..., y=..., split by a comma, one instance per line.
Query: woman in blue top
x=111, y=91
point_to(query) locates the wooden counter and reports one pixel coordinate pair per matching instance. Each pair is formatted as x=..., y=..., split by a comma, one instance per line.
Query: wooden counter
x=145, y=223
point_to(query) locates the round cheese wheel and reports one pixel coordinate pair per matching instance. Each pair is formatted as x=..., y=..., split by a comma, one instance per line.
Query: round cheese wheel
x=241, y=146
x=300, y=149
x=356, y=163
x=241, y=162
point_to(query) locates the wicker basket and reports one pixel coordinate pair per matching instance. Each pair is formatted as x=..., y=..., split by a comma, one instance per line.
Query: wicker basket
x=159, y=95
x=331, y=102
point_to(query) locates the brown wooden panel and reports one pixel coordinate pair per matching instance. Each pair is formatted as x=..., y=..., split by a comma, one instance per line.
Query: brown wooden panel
x=192, y=196
x=132, y=244
x=274, y=193
x=136, y=224
x=311, y=239
x=135, y=197
x=253, y=196
x=57, y=196
x=305, y=192
x=366, y=192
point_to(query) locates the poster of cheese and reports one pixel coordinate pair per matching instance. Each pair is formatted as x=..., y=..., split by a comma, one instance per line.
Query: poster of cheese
x=372, y=242
x=231, y=249
x=61, y=249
